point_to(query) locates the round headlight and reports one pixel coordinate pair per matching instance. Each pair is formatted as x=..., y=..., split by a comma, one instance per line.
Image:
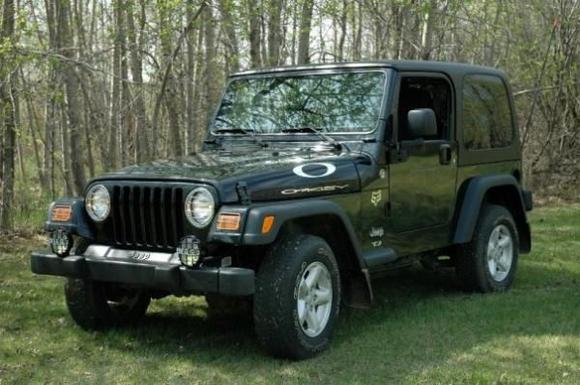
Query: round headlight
x=98, y=203
x=199, y=207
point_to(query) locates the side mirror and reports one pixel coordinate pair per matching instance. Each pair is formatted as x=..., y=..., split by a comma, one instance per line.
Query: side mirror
x=422, y=123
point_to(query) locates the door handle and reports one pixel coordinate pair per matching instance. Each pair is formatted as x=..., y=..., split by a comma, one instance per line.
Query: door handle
x=445, y=154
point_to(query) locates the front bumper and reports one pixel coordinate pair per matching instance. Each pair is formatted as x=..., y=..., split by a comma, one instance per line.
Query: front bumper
x=170, y=277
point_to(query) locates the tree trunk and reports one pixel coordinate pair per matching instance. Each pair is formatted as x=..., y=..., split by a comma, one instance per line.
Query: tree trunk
x=293, y=43
x=8, y=100
x=274, y=32
x=200, y=65
x=427, y=31
x=85, y=51
x=71, y=83
x=192, y=73
x=65, y=150
x=397, y=43
x=343, y=26
x=34, y=124
x=254, y=22
x=211, y=70
x=51, y=106
x=170, y=96
x=357, y=29
x=407, y=33
x=112, y=160
x=127, y=147
x=233, y=51
x=304, y=34
x=142, y=128
x=168, y=78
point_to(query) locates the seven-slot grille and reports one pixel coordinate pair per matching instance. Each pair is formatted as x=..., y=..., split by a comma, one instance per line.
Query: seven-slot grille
x=146, y=216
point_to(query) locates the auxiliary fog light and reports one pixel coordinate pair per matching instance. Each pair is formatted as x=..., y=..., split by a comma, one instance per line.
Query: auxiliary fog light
x=60, y=242
x=189, y=251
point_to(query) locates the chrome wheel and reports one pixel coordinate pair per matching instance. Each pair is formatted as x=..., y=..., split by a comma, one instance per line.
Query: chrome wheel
x=500, y=253
x=314, y=299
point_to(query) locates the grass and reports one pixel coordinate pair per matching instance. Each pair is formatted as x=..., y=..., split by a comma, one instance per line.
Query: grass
x=422, y=330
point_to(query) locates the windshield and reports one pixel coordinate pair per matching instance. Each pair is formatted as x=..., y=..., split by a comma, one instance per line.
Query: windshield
x=333, y=103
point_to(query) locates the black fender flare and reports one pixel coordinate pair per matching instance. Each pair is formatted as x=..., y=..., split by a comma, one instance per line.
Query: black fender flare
x=77, y=225
x=471, y=197
x=286, y=212
x=359, y=291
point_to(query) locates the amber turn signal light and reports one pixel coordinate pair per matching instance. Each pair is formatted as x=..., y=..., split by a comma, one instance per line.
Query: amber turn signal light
x=267, y=224
x=61, y=214
x=228, y=221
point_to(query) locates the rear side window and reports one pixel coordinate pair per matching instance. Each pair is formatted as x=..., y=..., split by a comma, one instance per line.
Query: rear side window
x=487, y=117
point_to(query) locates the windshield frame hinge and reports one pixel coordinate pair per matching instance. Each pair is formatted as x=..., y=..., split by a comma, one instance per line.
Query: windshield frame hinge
x=243, y=195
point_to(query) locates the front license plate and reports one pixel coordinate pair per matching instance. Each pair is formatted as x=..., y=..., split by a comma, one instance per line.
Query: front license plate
x=140, y=256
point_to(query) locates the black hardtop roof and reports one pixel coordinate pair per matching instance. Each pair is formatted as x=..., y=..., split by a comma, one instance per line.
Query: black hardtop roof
x=452, y=69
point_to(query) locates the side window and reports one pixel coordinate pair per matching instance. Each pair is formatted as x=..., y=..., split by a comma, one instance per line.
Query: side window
x=425, y=92
x=487, y=117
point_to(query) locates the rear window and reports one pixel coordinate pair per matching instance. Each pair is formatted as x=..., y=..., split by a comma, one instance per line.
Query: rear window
x=487, y=117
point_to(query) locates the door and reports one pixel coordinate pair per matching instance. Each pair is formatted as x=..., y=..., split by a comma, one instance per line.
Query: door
x=422, y=182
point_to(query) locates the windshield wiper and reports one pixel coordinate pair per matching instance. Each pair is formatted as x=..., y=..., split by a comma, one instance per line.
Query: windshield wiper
x=243, y=131
x=328, y=139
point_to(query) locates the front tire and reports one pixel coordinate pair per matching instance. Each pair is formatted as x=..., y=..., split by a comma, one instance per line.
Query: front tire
x=489, y=262
x=297, y=297
x=97, y=305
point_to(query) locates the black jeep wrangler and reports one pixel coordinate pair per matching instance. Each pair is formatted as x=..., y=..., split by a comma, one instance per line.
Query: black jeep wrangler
x=311, y=181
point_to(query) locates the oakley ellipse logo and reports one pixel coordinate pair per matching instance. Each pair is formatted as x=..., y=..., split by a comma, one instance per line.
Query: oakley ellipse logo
x=312, y=170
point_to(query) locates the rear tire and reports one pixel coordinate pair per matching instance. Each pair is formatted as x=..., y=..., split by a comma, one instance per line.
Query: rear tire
x=297, y=297
x=489, y=262
x=97, y=305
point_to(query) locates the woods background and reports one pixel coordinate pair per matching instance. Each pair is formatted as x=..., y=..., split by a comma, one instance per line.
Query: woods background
x=91, y=85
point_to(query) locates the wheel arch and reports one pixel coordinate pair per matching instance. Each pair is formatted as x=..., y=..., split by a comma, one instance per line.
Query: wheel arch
x=304, y=213
x=327, y=220
x=333, y=231
x=502, y=190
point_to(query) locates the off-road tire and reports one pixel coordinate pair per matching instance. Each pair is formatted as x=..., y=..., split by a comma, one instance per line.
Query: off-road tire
x=471, y=258
x=275, y=300
x=90, y=307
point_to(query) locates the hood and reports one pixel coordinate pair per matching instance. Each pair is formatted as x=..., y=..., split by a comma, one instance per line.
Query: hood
x=266, y=174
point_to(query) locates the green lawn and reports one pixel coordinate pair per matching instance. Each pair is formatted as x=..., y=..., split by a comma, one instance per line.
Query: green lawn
x=422, y=330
